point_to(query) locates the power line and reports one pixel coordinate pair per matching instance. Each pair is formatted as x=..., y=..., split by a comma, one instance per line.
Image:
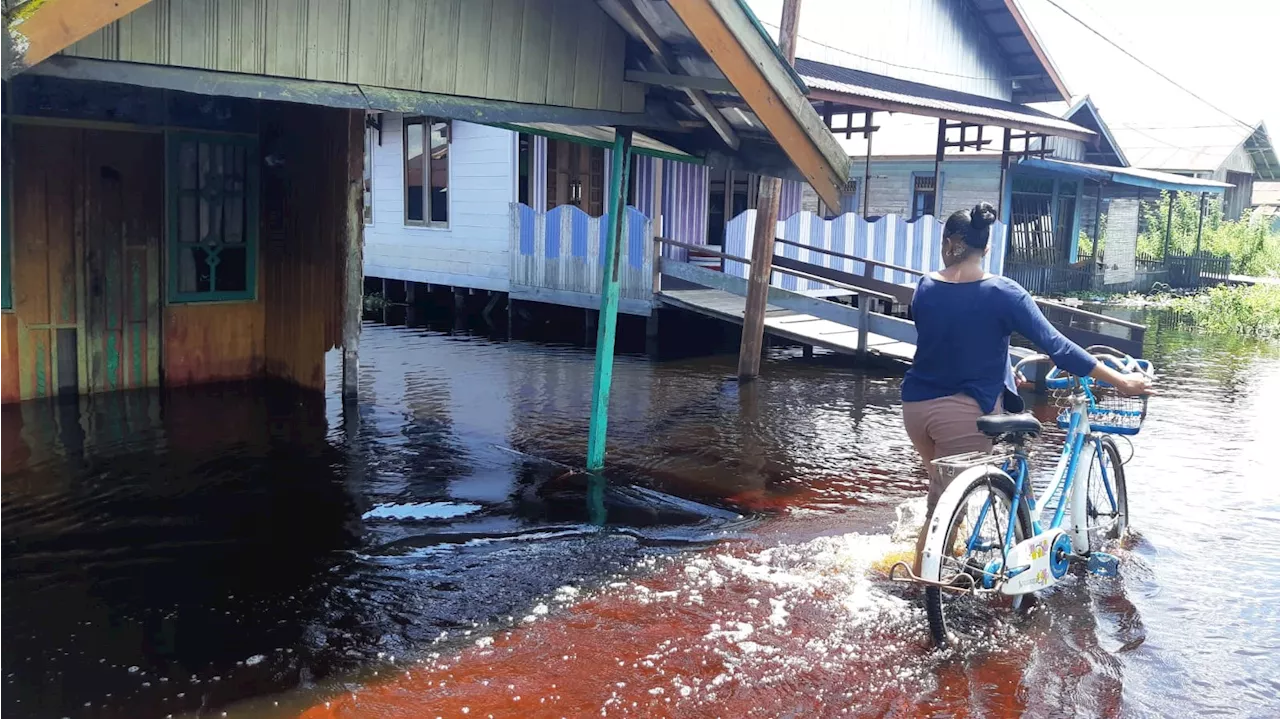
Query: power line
x=1138, y=60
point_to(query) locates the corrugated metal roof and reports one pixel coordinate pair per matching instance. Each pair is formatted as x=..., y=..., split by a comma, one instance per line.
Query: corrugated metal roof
x=1128, y=176
x=1198, y=148
x=601, y=136
x=1266, y=193
x=1201, y=148
x=882, y=92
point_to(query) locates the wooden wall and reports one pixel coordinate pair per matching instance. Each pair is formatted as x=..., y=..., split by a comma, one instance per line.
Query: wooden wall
x=213, y=342
x=10, y=388
x=555, y=52
x=304, y=226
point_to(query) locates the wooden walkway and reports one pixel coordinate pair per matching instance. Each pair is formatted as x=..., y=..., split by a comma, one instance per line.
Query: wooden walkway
x=788, y=324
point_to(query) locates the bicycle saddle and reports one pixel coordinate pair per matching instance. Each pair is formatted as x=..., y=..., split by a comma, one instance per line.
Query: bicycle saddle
x=997, y=425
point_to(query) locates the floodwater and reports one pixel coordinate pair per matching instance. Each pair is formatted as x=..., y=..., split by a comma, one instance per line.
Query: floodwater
x=433, y=553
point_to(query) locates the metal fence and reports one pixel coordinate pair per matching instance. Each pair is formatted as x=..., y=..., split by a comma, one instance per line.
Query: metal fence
x=1176, y=270
x=1197, y=270
x=1050, y=280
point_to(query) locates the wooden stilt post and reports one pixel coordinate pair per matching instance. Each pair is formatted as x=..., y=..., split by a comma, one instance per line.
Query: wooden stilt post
x=752, y=346
x=353, y=292
x=608, y=321
x=1168, y=227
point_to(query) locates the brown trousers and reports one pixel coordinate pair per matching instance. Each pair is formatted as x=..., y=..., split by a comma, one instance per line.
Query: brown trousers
x=942, y=427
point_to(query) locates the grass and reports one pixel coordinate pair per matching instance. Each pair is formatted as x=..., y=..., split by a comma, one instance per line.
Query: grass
x=1244, y=311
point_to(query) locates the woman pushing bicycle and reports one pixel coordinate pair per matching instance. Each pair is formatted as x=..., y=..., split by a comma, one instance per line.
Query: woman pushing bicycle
x=964, y=318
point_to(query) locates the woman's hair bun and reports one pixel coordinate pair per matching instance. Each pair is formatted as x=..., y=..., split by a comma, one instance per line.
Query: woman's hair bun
x=982, y=216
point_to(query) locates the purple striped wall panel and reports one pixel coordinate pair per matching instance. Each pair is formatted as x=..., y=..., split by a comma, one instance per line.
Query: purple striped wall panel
x=789, y=201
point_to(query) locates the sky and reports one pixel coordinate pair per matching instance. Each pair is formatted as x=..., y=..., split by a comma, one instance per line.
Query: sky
x=1226, y=51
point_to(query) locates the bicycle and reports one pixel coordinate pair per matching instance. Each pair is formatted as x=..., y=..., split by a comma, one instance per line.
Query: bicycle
x=972, y=568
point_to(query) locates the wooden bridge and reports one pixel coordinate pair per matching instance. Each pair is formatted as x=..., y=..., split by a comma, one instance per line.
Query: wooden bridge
x=858, y=315
x=838, y=301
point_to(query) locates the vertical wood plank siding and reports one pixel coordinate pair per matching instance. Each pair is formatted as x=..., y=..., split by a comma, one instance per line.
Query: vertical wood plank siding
x=685, y=204
x=684, y=195
x=789, y=201
x=541, y=51
x=10, y=384
x=303, y=250
x=938, y=42
x=213, y=342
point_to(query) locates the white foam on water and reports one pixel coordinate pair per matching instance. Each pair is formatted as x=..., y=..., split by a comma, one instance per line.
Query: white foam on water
x=422, y=510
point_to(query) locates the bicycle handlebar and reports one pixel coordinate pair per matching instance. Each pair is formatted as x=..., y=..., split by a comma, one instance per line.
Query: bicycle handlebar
x=1056, y=378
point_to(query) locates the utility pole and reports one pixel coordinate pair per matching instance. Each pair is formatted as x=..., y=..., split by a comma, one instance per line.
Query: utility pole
x=749, y=353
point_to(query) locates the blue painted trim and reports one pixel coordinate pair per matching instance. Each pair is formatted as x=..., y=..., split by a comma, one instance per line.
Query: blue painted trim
x=977, y=527
x=1076, y=438
x=1149, y=183
x=1006, y=200
x=1075, y=223
x=1119, y=176
x=1106, y=481
x=937, y=195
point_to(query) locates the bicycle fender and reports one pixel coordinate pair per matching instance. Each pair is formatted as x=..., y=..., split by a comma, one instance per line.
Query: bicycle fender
x=931, y=560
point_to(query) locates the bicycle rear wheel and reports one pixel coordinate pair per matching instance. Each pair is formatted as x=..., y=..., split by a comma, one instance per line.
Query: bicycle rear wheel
x=972, y=540
x=1107, y=506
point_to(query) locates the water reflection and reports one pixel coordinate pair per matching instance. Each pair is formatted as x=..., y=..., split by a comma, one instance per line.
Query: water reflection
x=242, y=548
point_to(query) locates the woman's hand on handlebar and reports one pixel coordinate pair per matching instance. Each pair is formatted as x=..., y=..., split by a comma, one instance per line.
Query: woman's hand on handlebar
x=1128, y=383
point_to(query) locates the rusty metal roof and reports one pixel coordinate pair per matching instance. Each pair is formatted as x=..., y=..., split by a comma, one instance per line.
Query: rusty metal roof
x=881, y=92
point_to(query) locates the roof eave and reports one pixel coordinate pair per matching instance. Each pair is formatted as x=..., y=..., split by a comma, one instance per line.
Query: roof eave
x=1038, y=48
x=750, y=60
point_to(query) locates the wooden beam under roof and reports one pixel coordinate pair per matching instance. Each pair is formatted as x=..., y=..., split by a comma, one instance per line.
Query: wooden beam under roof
x=749, y=59
x=38, y=29
x=665, y=59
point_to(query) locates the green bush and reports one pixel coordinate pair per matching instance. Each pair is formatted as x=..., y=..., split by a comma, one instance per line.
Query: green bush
x=1086, y=242
x=1248, y=311
x=1254, y=249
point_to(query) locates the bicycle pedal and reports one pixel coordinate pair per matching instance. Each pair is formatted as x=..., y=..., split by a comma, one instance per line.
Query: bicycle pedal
x=1104, y=565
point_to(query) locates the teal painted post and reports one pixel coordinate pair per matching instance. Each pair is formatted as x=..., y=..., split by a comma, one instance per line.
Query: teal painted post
x=608, y=321
x=1075, y=223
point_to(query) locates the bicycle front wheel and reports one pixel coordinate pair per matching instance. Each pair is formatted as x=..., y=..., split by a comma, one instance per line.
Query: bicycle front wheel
x=977, y=525
x=1107, y=505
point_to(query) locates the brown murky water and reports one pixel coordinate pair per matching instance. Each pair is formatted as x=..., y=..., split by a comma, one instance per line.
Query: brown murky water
x=261, y=554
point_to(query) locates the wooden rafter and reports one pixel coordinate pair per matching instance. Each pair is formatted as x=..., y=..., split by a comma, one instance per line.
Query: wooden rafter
x=38, y=29
x=667, y=63
x=746, y=58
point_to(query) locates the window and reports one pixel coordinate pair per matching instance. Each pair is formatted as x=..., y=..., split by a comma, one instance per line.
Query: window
x=370, y=133
x=213, y=217
x=426, y=171
x=923, y=196
x=849, y=201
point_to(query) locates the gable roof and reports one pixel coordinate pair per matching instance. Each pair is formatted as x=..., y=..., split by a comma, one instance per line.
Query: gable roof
x=1037, y=78
x=1084, y=112
x=1198, y=148
x=881, y=92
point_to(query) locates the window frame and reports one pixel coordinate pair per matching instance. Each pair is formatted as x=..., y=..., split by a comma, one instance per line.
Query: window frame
x=173, y=295
x=426, y=121
x=845, y=193
x=939, y=179
x=369, y=132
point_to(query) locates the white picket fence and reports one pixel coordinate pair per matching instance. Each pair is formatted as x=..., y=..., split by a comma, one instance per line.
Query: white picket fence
x=561, y=251
x=892, y=239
